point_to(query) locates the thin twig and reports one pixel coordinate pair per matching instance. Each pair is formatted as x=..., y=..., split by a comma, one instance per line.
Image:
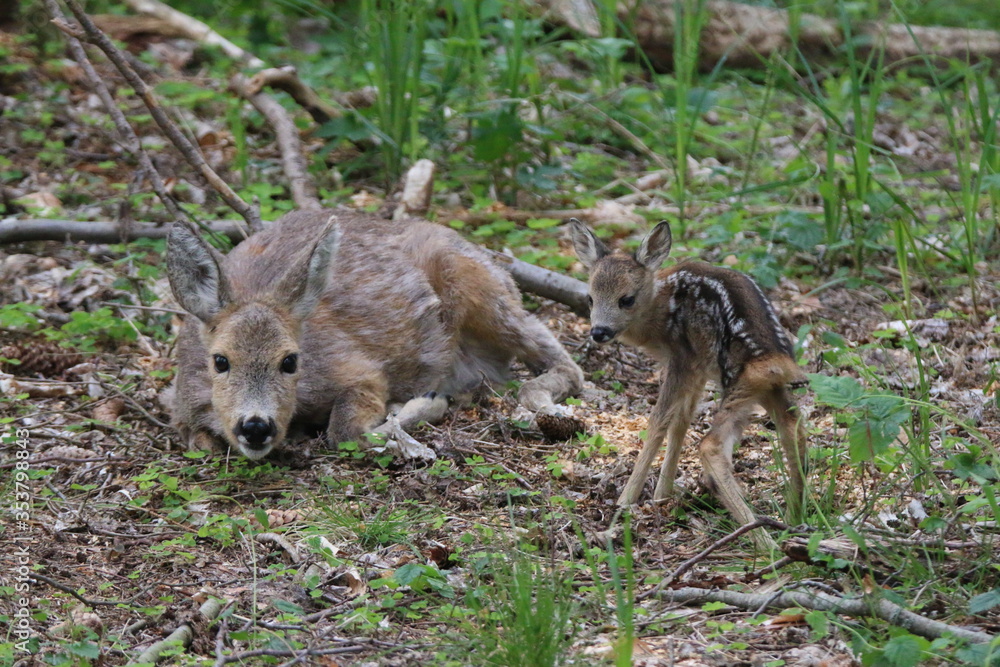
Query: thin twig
x=125, y=131
x=718, y=544
x=95, y=36
x=66, y=589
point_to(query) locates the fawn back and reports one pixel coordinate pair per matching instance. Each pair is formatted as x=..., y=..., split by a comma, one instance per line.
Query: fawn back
x=328, y=320
x=713, y=314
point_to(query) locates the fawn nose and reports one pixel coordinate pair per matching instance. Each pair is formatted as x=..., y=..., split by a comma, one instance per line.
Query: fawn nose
x=256, y=432
x=602, y=334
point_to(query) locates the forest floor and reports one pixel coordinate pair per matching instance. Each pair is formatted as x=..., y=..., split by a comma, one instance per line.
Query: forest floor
x=368, y=560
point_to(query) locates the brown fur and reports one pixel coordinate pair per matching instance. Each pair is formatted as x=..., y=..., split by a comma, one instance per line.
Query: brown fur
x=701, y=322
x=379, y=313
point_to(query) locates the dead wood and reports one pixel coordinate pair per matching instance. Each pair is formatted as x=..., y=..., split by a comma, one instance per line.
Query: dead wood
x=24, y=231
x=418, y=186
x=301, y=184
x=760, y=522
x=287, y=79
x=183, y=635
x=126, y=133
x=748, y=35
x=193, y=29
x=547, y=284
x=92, y=34
x=870, y=605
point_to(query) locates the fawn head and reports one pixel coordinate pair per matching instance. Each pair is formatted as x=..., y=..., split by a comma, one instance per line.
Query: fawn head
x=252, y=341
x=621, y=285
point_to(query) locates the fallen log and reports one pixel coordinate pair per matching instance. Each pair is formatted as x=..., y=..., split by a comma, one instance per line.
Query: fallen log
x=749, y=35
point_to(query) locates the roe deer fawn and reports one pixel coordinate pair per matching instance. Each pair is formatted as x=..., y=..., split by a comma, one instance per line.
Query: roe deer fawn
x=700, y=322
x=328, y=319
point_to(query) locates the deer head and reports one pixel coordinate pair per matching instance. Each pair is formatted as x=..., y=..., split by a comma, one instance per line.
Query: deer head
x=621, y=285
x=253, y=342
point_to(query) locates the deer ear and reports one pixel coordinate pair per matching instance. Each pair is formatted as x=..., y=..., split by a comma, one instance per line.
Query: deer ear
x=304, y=283
x=588, y=247
x=194, y=270
x=655, y=248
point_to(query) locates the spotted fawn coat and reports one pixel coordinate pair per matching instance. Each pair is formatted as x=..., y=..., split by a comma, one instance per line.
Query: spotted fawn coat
x=700, y=322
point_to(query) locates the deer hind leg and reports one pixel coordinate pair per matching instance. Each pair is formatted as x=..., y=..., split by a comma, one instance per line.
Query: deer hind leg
x=557, y=375
x=717, y=457
x=792, y=435
x=671, y=414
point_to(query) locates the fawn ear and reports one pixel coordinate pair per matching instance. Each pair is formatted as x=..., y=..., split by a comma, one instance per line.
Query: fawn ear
x=655, y=247
x=588, y=247
x=304, y=283
x=194, y=269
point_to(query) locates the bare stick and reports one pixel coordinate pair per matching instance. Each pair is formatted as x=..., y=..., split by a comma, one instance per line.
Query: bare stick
x=193, y=28
x=66, y=589
x=292, y=157
x=125, y=132
x=182, y=635
x=23, y=231
x=93, y=34
x=868, y=606
x=718, y=544
x=287, y=79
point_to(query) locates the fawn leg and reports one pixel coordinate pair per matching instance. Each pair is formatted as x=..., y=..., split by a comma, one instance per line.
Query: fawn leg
x=670, y=403
x=675, y=438
x=792, y=435
x=717, y=457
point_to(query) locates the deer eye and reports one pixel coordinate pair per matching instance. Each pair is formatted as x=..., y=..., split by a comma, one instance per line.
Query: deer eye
x=626, y=302
x=290, y=363
x=221, y=363
x=590, y=301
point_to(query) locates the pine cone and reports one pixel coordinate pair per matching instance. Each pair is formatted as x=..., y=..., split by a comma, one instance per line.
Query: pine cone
x=558, y=427
x=43, y=358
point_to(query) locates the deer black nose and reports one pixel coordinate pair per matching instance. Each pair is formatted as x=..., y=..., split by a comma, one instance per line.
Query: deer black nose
x=256, y=431
x=602, y=334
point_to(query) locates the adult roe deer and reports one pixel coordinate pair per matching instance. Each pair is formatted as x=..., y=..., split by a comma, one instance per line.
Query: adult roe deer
x=700, y=322
x=327, y=319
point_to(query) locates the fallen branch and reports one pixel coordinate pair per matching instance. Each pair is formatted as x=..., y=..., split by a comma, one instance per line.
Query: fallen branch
x=194, y=29
x=24, y=231
x=66, y=589
x=92, y=34
x=125, y=131
x=293, y=161
x=868, y=606
x=748, y=35
x=287, y=79
x=548, y=284
x=760, y=522
x=183, y=635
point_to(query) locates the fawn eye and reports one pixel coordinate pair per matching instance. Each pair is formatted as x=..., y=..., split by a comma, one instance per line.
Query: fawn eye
x=626, y=302
x=290, y=363
x=221, y=363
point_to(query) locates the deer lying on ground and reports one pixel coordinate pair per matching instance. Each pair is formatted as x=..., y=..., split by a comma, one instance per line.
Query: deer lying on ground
x=329, y=319
x=700, y=322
